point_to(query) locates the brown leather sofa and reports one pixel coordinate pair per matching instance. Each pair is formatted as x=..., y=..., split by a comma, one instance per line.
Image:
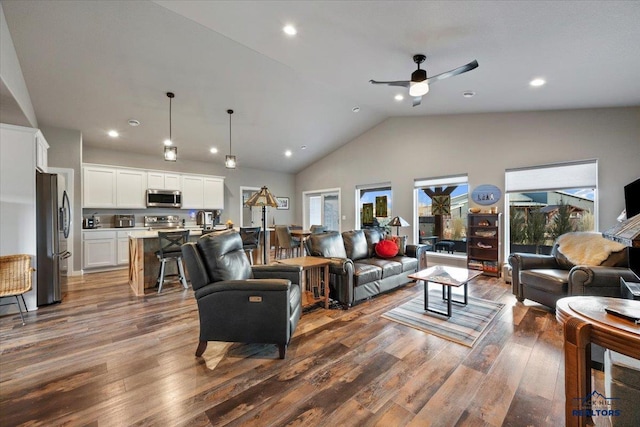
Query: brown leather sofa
x=238, y=302
x=547, y=278
x=356, y=272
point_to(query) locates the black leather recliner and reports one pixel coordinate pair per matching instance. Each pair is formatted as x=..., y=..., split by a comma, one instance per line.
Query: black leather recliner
x=238, y=302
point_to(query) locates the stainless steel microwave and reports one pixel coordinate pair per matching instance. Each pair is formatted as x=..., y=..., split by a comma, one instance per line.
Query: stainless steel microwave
x=164, y=199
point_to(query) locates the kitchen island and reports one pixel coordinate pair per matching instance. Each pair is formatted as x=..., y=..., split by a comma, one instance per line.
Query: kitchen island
x=144, y=264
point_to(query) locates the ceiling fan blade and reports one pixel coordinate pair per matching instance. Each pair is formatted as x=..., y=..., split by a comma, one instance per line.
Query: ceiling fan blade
x=401, y=83
x=417, y=100
x=468, y=67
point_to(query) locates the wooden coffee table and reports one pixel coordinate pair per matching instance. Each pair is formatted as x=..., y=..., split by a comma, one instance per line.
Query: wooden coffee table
x=316, y=286
x=586, y=321
x=448, y=277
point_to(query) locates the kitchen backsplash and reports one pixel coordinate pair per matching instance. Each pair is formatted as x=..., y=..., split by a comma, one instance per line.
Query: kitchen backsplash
x=107, y=220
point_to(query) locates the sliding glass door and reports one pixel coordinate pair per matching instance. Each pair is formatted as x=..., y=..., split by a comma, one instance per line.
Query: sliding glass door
x=322, y=208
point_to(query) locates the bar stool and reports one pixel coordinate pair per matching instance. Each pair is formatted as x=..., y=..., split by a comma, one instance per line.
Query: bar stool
x=170, y=250
x=250, y=240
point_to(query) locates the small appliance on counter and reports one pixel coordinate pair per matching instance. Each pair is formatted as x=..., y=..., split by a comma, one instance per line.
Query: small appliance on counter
x=124, y=221
x=91, y=222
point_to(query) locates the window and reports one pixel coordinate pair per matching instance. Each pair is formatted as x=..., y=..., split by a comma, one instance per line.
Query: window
x=374, y=203
x=441, y=210
x=322, y=207
x=547, y=201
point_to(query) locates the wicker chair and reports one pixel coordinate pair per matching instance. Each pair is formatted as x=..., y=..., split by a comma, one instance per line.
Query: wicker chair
x=15, y=278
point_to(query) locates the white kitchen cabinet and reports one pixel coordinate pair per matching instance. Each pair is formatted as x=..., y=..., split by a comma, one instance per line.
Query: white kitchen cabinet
x=192, y=192
x=123, y=248
x=202, y=192
x=131, y=185
x=163, y=181
x=42, y=152
x=98, y=249
x=213, y=193
x=99, y=187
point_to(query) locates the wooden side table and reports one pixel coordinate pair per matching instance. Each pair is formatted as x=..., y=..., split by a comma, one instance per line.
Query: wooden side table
x=316, y=286
x=585, y=322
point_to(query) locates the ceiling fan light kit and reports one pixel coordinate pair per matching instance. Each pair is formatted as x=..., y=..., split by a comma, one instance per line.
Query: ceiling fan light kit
x=419, y=84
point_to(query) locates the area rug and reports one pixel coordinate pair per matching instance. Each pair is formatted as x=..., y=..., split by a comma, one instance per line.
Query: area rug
x=465, y=326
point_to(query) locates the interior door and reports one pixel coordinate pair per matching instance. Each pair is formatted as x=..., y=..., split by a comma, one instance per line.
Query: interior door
x=249, y=217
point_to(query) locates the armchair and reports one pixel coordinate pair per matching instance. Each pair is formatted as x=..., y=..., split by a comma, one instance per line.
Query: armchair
x=547, y=278
x=238, y=302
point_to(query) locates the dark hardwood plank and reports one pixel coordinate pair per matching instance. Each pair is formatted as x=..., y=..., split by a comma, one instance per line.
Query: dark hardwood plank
x=106, y=357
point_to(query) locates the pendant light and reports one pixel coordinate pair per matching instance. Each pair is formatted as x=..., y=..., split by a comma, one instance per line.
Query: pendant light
x=230, y=160
x=170, y=151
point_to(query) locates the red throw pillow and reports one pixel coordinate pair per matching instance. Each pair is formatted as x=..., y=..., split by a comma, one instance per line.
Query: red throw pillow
x=386, y=249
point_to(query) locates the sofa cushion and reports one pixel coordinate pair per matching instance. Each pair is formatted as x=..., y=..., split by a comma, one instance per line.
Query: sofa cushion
x=329, y=245
x=408, y=263
x=389, y=267
x=365, y=273
x=401, y=241
x=373, y=237
x=386, y=249
x=549, y=280
x=355, y=244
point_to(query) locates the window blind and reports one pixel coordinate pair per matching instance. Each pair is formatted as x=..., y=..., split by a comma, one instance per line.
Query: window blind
x=440, y=181
x=583, y=174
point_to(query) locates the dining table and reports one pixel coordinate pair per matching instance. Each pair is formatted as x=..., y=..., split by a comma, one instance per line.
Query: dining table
x=302, y=235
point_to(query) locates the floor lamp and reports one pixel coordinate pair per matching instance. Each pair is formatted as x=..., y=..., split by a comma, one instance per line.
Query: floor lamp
x=398, y=222
x=263, y=198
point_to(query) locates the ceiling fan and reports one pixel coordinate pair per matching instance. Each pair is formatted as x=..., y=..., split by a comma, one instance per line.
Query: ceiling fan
x=419, y=83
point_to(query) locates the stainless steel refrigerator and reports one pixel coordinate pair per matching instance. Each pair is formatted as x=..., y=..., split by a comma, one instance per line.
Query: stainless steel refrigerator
x=52, y=219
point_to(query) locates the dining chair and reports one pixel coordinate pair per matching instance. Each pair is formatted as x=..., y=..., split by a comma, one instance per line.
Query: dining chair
x=286, y=242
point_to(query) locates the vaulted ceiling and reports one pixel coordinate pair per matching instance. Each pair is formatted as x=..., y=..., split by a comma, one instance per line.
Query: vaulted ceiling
x=93, y=65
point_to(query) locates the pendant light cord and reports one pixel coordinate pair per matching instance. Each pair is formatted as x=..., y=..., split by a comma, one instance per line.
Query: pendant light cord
x=230, y=112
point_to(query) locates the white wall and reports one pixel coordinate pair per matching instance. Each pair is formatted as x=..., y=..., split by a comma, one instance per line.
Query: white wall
x=11, y=73
x=18, y=199
x=483, y=146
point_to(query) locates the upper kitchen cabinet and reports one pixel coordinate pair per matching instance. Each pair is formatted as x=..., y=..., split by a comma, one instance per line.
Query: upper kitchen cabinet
x=163, y=181
x=107, y=187
x=131, y=186
x=202, y=192
x=42, y=152
x=99, y=187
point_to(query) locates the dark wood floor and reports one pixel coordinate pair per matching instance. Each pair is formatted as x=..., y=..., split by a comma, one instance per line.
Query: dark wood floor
x=106, y=357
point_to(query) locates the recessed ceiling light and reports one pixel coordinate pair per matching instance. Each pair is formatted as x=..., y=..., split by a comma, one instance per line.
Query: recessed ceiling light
x=398, y=97
x=290, y=30
x=355, y=109
x=468, y=94
x=537, y=82
x=133, y=122
x=213, y=150
x=167, y=142
x=113, y=133
x=303, y=147
x=288, y=153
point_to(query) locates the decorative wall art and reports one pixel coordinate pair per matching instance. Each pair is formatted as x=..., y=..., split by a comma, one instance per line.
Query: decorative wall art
x=381, y=206
x=486, y=194
x=367, y=213
x=441, y=205
x=283, y=203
